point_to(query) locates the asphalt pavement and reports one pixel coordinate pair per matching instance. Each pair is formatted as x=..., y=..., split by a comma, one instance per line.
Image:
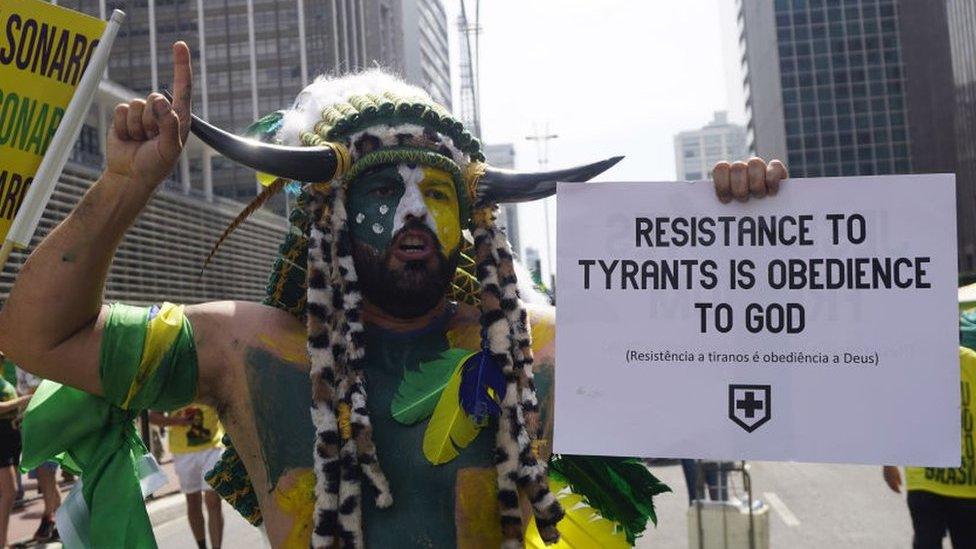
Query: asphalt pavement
x=175, y=534
x=811, y=506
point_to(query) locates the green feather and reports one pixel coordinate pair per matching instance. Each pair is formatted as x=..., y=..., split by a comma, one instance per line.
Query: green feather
x=619, y=489
x=421, y=388
x=449, y=429
x=265, y=127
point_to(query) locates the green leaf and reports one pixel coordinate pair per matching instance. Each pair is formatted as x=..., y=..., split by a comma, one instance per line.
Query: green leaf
x=420, y=389
x=619, y=489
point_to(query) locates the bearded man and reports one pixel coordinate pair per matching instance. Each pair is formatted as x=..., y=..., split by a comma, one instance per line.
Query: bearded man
x=366, y=290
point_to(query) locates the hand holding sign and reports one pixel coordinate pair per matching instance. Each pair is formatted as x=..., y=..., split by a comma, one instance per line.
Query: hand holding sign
x=742, y=179
x=148, y=135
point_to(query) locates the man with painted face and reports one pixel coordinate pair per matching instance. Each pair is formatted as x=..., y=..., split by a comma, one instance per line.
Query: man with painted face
x=377, y=291
x=406, y=237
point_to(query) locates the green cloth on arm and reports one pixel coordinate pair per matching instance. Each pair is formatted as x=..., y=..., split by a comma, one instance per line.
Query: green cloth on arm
x=94, y=437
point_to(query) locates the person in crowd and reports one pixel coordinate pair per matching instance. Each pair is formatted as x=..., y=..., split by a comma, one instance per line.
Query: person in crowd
x=10, y=406
x=943, y=500
x=715, y=483
x=10, y=375
x=46, y=474
x=194, y=440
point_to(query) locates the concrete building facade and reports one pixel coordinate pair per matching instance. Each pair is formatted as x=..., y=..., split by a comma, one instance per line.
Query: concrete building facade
x=161, y=256
x=426, y=60
x=697, y=151
x=961, y=20
x=502, y=155
x=859, y=87
x=252, y=57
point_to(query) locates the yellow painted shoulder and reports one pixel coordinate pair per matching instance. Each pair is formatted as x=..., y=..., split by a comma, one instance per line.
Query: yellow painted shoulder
x=542, y=318
x=298, y=502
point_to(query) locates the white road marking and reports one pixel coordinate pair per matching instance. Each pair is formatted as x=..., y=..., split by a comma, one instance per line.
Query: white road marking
x=781, y=509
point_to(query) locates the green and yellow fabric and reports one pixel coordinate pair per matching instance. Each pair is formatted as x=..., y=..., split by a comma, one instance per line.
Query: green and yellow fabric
x=148, y=360
x=956, y=482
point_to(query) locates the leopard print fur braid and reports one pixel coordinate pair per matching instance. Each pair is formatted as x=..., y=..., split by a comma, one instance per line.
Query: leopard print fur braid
x=533, y=477
x=322, y=373
x=358, y=454
x=334, y=320
x=497, y=332
x=350, y=511
x=505, y=323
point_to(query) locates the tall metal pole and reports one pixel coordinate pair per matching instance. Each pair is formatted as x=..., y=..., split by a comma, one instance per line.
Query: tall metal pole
x=103, y=112
x=335, y=36
x=469, y=72
x=153, y=66
x=354, y=25
x=363, y=59
x=253, y=58
x=252, y=43
x=345, y=35
x=477, y=62
x=542, y=154
x=204, y=95
x=302, y=49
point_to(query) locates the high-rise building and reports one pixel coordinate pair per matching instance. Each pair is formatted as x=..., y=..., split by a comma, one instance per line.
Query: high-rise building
x=503, y=156
x=252, y=57
x=961, y=19
x=426, y=60
x=855, y=87
x=697, y=151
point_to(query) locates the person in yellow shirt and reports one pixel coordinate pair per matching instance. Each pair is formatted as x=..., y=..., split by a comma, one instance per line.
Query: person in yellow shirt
x=944, y=499
x=194, y=440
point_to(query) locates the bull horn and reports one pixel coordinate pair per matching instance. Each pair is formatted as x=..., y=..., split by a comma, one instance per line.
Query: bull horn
x=499, y=186
x=305, y=164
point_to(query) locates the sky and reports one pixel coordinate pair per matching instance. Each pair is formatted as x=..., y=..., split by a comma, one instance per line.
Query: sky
x=610, y=77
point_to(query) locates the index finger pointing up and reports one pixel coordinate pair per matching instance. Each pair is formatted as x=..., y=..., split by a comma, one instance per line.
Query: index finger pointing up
x=182, y=85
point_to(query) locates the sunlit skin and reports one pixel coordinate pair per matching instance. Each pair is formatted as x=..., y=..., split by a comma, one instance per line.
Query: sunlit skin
x=251, y=357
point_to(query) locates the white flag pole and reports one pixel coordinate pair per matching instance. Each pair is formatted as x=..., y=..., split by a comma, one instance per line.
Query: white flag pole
x=26, y=220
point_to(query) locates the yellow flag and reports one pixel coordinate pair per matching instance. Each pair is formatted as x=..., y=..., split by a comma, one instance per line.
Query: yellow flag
x=44, y=50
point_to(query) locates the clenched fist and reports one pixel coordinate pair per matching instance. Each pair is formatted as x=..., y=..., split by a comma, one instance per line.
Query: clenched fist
x=148, y=134
x=740, y=180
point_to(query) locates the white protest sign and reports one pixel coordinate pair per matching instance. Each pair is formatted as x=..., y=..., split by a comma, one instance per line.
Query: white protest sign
x=817, y=325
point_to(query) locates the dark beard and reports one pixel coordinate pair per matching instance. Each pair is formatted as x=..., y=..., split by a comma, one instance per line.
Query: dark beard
x=406, y=292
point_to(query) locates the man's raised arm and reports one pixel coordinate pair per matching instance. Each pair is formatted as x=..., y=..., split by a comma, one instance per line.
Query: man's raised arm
x=51, y=324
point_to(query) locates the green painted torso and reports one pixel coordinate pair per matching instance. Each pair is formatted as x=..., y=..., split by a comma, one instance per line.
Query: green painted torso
x=423, y=512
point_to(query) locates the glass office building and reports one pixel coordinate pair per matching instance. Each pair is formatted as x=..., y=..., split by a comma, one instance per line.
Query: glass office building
x=862, y=87
x=841, y=86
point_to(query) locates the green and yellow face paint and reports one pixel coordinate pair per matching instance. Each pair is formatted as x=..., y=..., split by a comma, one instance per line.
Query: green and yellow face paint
x=381, y=203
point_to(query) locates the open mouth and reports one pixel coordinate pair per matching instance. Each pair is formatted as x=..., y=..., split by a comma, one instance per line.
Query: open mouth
x=413, y=245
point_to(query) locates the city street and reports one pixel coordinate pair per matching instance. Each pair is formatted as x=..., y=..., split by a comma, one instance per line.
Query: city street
x=175, y=534
x=223, y=220
x=813, y=506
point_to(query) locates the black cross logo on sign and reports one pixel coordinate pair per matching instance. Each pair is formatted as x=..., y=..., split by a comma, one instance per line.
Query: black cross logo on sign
x=749, y=404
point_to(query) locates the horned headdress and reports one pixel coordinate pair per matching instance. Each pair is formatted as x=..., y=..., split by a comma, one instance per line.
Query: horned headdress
x=336, y=131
